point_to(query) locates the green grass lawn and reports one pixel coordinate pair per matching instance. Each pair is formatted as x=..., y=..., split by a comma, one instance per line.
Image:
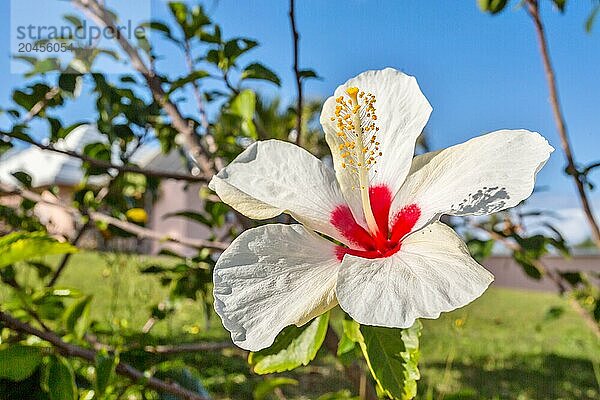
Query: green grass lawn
x=502, y=346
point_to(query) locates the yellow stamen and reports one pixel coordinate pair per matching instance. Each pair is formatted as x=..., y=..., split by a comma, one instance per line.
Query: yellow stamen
x=355, y=118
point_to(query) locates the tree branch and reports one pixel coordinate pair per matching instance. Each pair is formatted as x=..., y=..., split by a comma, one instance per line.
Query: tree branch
x=184, y=127
x=187, y=348
x=40, y=105
x=210, y=141
x=137, y=230
x=556, y=278
x=296, y=40
x=107, y=165
x=65, y=260
x=534, y=13
x=71, y=350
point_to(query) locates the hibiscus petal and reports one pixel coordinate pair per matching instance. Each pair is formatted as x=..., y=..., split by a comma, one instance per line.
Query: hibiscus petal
x=402, y=113
x=432, y=273
x=271, y=177
x=421, y=160
x=271, y=277
x=484, y=175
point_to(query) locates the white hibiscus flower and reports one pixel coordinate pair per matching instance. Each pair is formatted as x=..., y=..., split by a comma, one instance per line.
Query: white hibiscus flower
x=397, y=262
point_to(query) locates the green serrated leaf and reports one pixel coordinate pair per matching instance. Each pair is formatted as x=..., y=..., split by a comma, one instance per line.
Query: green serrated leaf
x=293, y=347
x=23, y=246
x=18, y=362
x=61, y=379
x=392, y=356
x=259, y=71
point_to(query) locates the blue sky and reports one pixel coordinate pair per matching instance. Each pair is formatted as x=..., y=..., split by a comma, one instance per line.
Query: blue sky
x=480, y=73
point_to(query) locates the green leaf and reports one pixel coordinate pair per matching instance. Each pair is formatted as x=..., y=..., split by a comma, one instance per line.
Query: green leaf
x=18, y=362
x=157, y=26
x=308, y=73
x=560, y=4
x=266, y=387
x=23, y=246
x=528, y=265
x=73, y=19
x=43, y=66
x=392, y=356
x=63, y=132
x=293, y=347
x=242, y=107
x=70, y=83
x=194, y=76
x=480, y=249
x=244, y=104
x=236, y=47
x=214, y=37
x=179, y=11
x=259, y=71
x=23, y=177
x=105, y=371
x=589, y=22
x=492, y=6
x=61, y=379
x=77, y=316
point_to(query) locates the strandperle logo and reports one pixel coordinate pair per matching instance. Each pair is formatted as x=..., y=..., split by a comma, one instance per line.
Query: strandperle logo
x=54, y=33
x=88, y=34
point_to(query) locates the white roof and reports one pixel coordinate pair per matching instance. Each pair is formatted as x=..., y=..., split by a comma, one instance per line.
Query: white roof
x=47, y=167
x=51, y=168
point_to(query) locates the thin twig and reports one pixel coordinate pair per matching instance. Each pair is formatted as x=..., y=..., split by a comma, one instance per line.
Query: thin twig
x=40, y=105
x=534, y=13
x=140, y=231
x=108, y=165
x=554, y=277
x=185, y=128
x=210, y=140
x=65, y=259
x=296, y=40
x=71, y=350
x=187, y=348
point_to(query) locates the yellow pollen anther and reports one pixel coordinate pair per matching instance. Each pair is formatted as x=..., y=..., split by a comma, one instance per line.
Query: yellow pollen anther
x=355, y=118
x=353, y=92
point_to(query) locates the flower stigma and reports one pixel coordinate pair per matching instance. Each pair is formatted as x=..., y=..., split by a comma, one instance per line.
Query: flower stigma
x=359, y=148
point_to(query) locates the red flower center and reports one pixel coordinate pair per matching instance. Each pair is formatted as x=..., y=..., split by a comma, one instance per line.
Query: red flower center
x=387, y=241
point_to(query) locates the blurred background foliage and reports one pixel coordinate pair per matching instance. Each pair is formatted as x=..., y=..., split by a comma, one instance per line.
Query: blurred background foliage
x=77, y=323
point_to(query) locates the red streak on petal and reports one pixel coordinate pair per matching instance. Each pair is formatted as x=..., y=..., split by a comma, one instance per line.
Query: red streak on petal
x=343, y=220
x=386, y=243
x=381, y=200
x=340, y=252
x=404, y=221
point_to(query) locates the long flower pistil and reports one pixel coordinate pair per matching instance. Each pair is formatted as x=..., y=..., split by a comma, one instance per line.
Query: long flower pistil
x=359, y=148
